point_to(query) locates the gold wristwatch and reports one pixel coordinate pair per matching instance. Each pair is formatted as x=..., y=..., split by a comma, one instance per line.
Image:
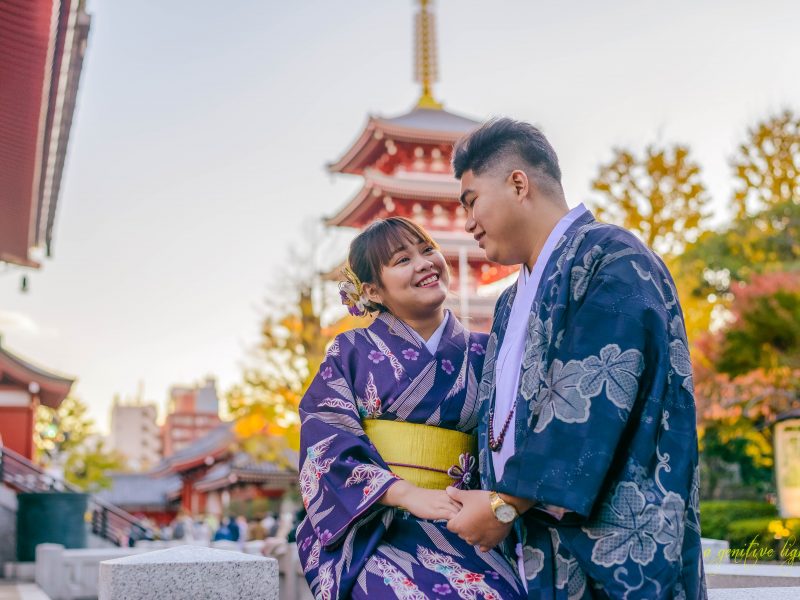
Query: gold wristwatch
x=503, y=511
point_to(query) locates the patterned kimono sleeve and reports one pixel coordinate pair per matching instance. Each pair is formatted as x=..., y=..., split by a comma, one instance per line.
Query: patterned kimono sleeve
x=584, y=393
x=342, y=476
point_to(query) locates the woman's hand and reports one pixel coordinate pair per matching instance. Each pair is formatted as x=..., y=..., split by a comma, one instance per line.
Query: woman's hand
x=421, y=502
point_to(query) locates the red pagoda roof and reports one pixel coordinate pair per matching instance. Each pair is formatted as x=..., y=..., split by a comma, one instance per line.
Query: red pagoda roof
x=39, y=70
x=376, y=185
x=52, y=388
x=421, y=125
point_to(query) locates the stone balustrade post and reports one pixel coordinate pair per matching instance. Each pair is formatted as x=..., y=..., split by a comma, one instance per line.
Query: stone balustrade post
x=191, y=573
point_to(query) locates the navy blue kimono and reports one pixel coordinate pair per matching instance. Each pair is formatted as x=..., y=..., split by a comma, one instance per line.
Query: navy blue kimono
x=605, y=425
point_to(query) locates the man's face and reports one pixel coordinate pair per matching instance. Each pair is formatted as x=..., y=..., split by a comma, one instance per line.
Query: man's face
x=492, y=205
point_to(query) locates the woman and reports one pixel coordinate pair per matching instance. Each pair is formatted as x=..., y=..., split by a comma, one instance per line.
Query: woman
x=386, y=427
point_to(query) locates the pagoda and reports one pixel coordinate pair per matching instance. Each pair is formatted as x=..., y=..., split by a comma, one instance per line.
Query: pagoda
x=405, y=165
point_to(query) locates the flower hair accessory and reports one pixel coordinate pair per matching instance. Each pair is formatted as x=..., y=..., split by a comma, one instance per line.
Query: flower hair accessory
x=352, y=293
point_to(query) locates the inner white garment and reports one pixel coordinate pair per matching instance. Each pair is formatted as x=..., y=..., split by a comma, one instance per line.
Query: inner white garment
x=433, y=342
x=510, y=353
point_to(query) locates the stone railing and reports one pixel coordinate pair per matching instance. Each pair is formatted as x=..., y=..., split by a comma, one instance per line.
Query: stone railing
x=189, y=573
x=70, y=574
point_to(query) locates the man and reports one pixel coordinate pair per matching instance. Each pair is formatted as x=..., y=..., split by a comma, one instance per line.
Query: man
x=588, y=441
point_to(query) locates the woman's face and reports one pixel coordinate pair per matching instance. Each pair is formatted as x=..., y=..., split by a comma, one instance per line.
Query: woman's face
x=414, y=282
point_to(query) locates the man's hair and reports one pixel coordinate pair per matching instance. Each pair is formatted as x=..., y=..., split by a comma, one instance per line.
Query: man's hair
x=501, y=140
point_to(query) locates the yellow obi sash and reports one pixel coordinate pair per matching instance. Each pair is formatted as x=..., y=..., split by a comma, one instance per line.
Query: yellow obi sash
x=427, y=456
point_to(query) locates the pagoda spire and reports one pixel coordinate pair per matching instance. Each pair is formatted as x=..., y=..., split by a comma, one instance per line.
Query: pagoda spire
x=426, y=71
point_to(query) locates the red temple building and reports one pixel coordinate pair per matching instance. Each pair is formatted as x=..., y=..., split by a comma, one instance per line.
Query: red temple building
x=405, y=165
x=23, y=386
x=42, y=43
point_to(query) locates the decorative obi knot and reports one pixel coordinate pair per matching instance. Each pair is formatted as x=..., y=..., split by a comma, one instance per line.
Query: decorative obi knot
x=427, y=456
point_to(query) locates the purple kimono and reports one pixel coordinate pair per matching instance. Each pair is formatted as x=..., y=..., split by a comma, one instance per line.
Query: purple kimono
x=350, y=545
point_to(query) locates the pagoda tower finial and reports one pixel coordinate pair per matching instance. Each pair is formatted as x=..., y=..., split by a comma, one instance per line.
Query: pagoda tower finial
x=426, y=72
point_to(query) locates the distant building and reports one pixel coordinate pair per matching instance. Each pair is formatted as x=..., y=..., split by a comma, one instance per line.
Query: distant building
x=193, y=412
x=135, y=434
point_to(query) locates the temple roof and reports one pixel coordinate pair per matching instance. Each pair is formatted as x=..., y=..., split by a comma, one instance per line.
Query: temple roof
x=52, y=388
x=244, y=468
x=421, y=125
x=141, y=490
x=40, y=67
x=376, y=185
x=203, y=451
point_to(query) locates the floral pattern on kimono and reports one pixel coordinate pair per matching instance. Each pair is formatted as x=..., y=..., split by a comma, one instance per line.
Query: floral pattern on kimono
x=605, y=425
x=350, y=545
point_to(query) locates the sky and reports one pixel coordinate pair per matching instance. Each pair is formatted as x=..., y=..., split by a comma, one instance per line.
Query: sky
x=198, y=150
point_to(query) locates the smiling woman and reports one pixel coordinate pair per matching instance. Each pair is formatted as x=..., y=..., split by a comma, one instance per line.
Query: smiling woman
x=387, y=426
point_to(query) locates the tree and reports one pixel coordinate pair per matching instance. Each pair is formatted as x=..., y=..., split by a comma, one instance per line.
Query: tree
x=65, y=439
x=659, y=196
x=767, y=168
x=765, y=332
x=88, y=465
x=60, y=431
x=293, y=342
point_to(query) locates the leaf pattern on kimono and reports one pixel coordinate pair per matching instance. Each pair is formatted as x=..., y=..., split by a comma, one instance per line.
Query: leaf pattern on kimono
x=681, y=363
x=312, y=562
x=571, y=250
x=580, y=275
x=532, y=561
x=439, y=541
x=468, y=419
x=488, y=375
x=415, y=393
x=616, y=370
x=672, y=526
x=338, y=403
x=374, y=476
x=396, y=366
x=333, y=349
x=340, y=421
x=461, y=380
x=325, y=576
x=348, y=546
x=625, y=528
x=370, y=407
x=569, y=575
x=468, y=585
x=313, y=468
x=403, y=587
x=401, y=558
x=341, y=387
x=500, y=566
x=560, y=398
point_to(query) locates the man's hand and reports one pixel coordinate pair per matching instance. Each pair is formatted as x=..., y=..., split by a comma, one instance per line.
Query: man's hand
x=476, y=523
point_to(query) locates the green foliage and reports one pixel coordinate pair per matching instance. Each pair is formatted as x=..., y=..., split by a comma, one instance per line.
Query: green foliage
x=87, y=466
x=659, y=196
x=766, y=335
x=64, y=437
x=717, y=515
x=58, y=432
x=736, y=459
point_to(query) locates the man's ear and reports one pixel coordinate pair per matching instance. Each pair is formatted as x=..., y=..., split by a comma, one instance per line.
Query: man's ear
x=519, y=179
x=371, y=293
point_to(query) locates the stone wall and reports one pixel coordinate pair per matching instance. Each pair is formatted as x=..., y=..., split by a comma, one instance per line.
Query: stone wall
x=8, y=527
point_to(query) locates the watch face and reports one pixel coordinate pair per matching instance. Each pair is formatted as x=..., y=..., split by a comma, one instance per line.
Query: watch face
x=506, y=513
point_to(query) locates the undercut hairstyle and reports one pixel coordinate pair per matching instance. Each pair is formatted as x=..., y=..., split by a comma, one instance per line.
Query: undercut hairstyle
x=503, y=142
x=373, y=248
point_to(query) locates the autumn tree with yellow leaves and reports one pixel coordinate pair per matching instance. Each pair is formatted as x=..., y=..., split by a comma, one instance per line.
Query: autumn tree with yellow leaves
x=295, y=334
x=659, y=195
